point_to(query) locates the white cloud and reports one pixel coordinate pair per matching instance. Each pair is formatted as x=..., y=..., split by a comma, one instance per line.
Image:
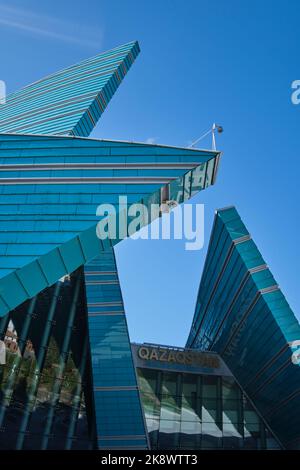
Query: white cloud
x=150, y=140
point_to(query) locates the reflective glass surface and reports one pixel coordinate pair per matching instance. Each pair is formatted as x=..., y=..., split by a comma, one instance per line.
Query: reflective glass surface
x=242, y=315
x=45, y=400
x=192, y=411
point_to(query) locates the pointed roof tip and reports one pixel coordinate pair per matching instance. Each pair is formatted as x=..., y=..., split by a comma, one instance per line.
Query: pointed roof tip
x=89, y=86
x=223, y=209
x=133, y=43
x=137, y=45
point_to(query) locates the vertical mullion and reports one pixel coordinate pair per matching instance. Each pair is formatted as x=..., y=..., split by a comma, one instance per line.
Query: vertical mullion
x=38, y=367
x=61, y=367
x=77, y=396
x=14, y=368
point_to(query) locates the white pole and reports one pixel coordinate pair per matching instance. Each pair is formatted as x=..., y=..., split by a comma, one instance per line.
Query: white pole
x=213, y=137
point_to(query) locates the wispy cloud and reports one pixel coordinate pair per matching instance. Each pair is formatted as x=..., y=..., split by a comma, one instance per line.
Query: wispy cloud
x=49, y=27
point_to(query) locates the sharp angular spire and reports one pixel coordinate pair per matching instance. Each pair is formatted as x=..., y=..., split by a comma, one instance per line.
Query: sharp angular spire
x=71, y=101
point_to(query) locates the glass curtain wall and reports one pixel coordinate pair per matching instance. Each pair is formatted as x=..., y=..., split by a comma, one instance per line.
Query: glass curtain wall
x=44, y=371
x=191, y=411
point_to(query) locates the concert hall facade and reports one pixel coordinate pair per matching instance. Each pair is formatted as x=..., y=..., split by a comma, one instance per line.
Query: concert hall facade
x=69, y=376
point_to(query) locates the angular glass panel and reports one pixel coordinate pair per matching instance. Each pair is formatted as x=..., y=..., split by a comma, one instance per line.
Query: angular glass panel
x=210, y=407
x=187, y=186
x=210, y=386
x=271, y=442
x=232, y=411
x=190, y=409
x=230, y=389
x=169, y=433
x=252, y=438
x=176, y=190
x=209, y=172
x=42, y=401
x=232, y=437
x=197, y=178
x=169, y=384
x=189, y=385
x=211, y=436
x=151, y=405
x=250, y=415
x=190, y=435
x=170, y=410
x=147, y=380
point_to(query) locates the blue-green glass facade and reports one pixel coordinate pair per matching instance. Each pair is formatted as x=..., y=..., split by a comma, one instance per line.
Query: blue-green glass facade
x=119, y=417
x=242, y=314
x=51, y=187
x=192, y=401
x=68, y=379
x=71, y=101
x=45, y=387
x=52, y=181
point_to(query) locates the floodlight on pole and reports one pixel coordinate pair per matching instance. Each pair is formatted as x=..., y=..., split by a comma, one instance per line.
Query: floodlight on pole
x=215, y=128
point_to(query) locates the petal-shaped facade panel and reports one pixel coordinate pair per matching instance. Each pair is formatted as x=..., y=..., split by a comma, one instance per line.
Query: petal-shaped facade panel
x=70, y=101
x=52, y=186
x=118, y=412
x=242, y=314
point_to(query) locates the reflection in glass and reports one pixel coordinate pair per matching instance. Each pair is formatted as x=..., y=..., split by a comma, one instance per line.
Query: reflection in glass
x=211, y=435
x=43, y=390
x=169, y=434
x=170, y=409
x=192, y=411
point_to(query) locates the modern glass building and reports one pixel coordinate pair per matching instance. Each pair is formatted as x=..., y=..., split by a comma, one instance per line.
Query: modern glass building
x=70, y=379
x=192, y=401
x=242, y=315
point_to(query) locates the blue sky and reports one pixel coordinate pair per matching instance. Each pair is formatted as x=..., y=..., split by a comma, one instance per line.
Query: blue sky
x=227, y=61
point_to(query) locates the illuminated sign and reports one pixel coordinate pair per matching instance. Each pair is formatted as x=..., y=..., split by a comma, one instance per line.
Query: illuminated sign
x=188, y=357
